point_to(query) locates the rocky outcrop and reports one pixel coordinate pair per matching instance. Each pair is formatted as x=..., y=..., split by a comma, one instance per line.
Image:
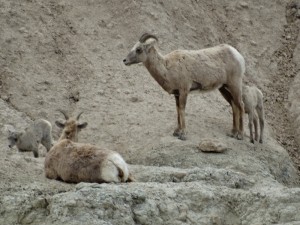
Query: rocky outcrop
x=68, y=55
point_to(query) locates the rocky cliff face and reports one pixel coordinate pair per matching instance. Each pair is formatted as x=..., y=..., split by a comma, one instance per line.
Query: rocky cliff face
x=68, y=55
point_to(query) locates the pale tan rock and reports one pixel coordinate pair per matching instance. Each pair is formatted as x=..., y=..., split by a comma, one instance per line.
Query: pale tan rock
x=211, y=145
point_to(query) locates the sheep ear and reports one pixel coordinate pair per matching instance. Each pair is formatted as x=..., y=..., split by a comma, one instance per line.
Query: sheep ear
x=59, y=124
x=82, y=125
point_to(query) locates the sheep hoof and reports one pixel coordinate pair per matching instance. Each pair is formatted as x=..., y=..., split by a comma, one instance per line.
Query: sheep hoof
x=261, y=141
x=252, y=141
x=176, y=133
x=230, y=135
x=233, y=134
x=239, y=137
x=180, y=134
x=182, y=137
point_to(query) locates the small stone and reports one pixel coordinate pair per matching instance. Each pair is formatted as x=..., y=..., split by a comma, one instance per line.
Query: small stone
x=101, y=92
x=40, y=203
x=244, y=4
x=179, y=175
x=135, y=99
x=210, y=145
x=23, y=30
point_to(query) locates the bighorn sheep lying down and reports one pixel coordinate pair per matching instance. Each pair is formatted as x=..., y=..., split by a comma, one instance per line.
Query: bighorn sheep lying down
x=182, y=71
x=253, y=101
x=40, y=132
x=79, y=162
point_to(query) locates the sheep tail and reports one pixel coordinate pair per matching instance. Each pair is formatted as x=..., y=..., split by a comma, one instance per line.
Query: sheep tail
x=120, y=171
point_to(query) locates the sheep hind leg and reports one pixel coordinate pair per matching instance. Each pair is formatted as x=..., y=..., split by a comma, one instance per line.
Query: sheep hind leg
x=235, y=115
x=255, y=121
x=260, y=112
x=250, y=124
x=228, y=97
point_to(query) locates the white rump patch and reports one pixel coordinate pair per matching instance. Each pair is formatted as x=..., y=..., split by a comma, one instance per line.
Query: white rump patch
x=239, y=58
x=109, y=170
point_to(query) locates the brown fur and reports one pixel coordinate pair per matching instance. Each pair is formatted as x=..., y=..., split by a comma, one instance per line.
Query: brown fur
x=182, y=71
x=75, y=162
x=78, y=162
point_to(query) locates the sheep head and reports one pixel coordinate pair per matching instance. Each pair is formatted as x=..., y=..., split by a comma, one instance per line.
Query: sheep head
x=70, y=127
x=140, y=50
x=12, y=137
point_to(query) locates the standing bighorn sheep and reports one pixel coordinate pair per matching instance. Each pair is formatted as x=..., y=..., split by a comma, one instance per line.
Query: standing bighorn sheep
x=78, y=162
x=182, y=71
x=40, y=132
x=253, y=101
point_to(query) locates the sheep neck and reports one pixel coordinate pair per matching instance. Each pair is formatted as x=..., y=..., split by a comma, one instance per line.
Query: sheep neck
x=155, y=64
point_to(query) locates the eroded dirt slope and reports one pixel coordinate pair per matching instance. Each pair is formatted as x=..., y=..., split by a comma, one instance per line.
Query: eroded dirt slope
x=68, y=55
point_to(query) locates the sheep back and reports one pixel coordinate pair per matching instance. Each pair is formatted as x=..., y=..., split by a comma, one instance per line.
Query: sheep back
x=252, y=98
x=210, y=67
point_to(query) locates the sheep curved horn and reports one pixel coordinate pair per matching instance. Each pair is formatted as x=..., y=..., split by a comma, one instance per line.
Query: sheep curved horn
x=64, y=113
x=78, y=116
x=146, y=36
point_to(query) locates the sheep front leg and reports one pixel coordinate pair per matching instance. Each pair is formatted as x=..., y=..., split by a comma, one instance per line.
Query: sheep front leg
x=241, y=120
x=234, y=131
x=35, y=149
x=180, y=106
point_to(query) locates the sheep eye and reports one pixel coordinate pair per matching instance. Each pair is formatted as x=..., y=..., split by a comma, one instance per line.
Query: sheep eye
x=139, y=50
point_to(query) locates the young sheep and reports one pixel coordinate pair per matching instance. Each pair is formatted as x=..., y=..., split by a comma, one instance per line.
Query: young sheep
x=182, y=71
x=78, y=162
x=40, y=132
x=253, y=101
